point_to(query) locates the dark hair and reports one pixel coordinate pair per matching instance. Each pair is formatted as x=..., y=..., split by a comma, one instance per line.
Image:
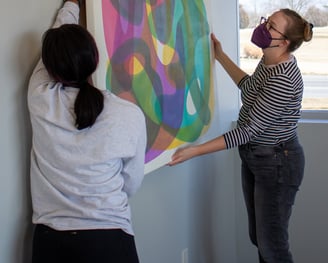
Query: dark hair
x=298, y=29
x=70, y=56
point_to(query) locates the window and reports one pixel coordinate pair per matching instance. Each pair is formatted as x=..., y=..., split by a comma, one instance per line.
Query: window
x=312, y=56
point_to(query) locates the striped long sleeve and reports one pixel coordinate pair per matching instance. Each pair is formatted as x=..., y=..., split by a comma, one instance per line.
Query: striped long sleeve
x=271, y=103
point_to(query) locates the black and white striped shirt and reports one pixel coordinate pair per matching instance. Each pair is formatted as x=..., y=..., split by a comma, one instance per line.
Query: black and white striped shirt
x=271, y=104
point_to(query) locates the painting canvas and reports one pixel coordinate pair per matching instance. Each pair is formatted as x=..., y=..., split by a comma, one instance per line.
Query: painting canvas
x=157, y=54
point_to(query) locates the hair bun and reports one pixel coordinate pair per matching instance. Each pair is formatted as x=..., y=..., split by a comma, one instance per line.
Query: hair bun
x=308, y=31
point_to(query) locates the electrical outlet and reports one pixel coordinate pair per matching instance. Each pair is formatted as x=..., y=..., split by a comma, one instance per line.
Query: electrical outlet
x=184, y=255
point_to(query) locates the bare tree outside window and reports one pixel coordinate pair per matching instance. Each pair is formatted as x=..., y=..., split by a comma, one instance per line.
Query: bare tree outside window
x=298, y=5
x=312, y=56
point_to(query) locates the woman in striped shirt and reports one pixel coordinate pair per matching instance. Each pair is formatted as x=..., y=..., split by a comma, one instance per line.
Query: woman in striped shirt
x=272, y=158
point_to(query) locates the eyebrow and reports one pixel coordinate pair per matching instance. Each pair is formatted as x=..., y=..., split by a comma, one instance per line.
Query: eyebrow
x=274, y=25
x=271, y=21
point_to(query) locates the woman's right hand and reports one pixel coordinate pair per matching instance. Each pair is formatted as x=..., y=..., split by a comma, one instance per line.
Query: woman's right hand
x=218, y=52
x=235, y=73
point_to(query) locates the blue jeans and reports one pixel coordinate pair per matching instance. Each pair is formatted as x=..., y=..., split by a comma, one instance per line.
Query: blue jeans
x=271, y=176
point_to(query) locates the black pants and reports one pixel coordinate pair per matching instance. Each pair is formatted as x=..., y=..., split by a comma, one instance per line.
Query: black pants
x=83, y=246
x=271, y=177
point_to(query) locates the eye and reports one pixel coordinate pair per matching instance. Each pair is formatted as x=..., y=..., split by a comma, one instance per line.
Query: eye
x=269, y=27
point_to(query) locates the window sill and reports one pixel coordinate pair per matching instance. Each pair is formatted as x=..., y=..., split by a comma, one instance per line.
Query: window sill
x=314, y=116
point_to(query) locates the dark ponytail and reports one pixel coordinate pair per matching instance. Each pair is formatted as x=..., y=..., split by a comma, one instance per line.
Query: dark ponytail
x=89, y=103
x=70, y=55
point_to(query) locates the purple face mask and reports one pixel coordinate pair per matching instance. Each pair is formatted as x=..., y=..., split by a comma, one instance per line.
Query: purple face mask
x=261, y=36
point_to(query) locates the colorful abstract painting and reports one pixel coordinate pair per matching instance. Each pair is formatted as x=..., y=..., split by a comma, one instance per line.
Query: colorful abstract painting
x=156, y=54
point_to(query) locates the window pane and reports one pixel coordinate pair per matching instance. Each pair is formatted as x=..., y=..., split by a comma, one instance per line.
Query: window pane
x=312, y=56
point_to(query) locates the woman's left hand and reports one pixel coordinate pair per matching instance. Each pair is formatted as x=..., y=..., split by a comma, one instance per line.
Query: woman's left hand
x=182, y=155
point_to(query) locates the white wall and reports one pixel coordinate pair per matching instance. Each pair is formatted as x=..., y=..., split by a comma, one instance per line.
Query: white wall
x=308, y=224
x=308, y=227
x=176, y=207
x=196, y=205
x=192, y=205
x=21, y=26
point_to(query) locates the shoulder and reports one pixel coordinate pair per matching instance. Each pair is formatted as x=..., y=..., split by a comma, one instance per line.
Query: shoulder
x=121, y=105
x=288, y=68
x=122, y=111
x=285, y=78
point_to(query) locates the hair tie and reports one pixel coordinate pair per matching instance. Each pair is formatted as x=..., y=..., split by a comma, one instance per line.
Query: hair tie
x=307, y=23
x=82, y=83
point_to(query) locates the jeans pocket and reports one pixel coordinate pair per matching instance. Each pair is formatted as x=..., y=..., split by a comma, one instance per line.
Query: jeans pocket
x=292, y=167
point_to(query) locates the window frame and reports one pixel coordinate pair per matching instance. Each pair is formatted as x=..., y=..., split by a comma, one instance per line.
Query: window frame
x=318, y=115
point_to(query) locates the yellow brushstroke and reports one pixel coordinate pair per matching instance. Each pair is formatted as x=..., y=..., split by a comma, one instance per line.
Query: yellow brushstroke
x=137, y=66
x=164, y=52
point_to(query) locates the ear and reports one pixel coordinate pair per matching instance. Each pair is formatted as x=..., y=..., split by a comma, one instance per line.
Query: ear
x=285, y=42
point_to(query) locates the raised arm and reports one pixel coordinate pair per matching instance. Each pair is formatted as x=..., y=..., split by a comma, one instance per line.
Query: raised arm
x=74, y=1
x=68, y=14
x=235, y=73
